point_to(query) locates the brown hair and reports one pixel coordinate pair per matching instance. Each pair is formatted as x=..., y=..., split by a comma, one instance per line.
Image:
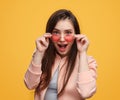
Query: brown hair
x=50, y=53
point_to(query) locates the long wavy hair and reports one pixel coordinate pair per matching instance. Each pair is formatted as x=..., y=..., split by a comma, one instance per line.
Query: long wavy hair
x=50, y=53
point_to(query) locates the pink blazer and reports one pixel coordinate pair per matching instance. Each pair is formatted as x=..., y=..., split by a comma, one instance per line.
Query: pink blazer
x=80, y=85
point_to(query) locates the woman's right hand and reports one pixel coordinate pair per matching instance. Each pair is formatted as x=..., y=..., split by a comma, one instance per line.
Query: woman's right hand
x=41, y=45
x=43, y=42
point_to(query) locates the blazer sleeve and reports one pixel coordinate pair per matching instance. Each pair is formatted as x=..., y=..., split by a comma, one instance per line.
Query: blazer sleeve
x=32, y=76
x=86, y=81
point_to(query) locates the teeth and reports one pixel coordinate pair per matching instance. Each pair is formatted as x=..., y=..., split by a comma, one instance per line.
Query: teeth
x=62, y=45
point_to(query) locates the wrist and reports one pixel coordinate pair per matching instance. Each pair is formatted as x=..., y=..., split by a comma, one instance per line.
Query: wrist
x=37, y=57
x=83, y=53
x=83, y=62
x=38, y=52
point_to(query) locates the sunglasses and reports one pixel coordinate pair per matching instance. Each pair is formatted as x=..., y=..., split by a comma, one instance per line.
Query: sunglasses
x=68, y=37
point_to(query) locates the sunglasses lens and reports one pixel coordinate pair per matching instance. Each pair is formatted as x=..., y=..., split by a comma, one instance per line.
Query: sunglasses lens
x=55, y=38
x=69, y=38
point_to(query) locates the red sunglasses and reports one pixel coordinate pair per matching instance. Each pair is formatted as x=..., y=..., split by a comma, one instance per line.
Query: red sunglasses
x=68, y=38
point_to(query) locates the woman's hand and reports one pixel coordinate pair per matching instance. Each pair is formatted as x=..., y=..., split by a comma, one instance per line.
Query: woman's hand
x=41, y=45
x=43, y=42
x=82, y=42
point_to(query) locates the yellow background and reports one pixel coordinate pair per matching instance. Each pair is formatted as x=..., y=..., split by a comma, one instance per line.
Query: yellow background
x=22, y=21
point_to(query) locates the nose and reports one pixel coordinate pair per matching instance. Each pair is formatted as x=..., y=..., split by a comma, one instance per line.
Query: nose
x=62, y=37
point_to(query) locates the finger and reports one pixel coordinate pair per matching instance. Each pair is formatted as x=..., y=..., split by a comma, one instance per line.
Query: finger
x=42, y=41
x=47, y=35
x=80, y=36
x=83, y=40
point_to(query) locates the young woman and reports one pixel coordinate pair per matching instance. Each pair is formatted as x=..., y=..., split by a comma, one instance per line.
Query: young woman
x=60, y=67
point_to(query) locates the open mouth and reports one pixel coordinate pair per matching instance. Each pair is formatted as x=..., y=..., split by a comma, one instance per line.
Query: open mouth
x=62, y=47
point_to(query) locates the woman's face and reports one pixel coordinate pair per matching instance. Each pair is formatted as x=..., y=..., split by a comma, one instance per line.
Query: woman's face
x=63, y=36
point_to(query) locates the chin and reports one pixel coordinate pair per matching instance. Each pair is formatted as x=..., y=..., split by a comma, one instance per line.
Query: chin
x=62, y=54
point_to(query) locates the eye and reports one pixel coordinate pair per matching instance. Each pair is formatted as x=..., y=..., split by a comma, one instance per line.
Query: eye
x=55, y=32
x=68, y=32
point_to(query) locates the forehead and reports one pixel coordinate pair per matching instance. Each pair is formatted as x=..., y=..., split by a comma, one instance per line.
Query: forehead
x=64, y=24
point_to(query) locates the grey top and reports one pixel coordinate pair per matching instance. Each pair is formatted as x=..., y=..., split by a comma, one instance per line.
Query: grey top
x=51, y=93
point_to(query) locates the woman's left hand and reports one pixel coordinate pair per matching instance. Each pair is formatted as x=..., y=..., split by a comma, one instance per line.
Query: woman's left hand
x=82, y=42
